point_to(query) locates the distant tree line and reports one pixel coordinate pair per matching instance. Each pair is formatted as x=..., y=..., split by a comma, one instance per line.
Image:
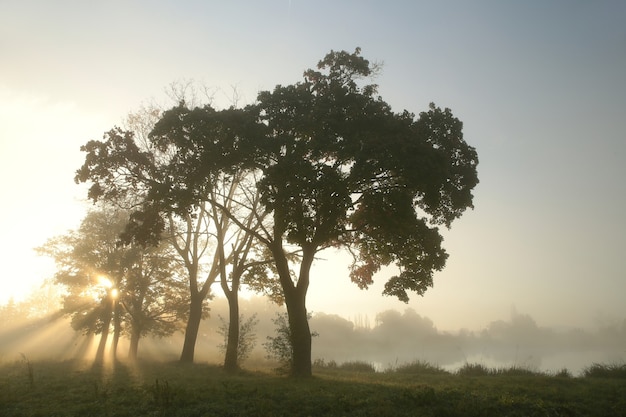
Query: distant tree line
x=392, y=339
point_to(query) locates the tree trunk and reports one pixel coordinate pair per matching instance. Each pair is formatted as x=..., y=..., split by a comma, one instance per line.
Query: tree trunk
x=117, y=330
x=232, y=347
x=300, y=334
x=134, y=343
x=231, y=359
x=295, y=300
x=193, y=325
x=106, y=320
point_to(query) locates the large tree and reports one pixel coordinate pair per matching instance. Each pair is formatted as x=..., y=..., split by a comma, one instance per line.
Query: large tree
x=337, y=167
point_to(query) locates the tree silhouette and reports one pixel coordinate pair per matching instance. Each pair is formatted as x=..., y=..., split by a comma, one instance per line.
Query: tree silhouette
x=335, y=167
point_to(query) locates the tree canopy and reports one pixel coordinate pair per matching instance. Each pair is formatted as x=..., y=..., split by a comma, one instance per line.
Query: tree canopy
x=338, y=166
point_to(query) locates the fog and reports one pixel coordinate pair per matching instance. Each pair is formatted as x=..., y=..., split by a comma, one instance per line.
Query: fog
x=389, y=339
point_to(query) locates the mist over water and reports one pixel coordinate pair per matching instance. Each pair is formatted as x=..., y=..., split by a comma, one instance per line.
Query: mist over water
x=390, y=339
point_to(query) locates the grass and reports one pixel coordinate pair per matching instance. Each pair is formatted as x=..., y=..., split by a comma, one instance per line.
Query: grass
x=352, y=389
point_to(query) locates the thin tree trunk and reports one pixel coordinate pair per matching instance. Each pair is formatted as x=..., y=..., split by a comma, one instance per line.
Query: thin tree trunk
x=232, y=347
x=106, y=320
x=193, y=325
x=117, y=329
x=134, y=343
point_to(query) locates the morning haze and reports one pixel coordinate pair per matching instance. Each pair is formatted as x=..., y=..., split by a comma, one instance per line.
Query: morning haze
x=387, y=339
x=534, y=276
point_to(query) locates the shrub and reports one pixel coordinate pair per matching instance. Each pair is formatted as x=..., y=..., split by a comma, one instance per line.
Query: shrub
x=598, y=370
x=279, y=347
x=563, y=373
x=478, y=369
x=419, y=367
x=321, y=363
x=515, y=370
x=247, y=337
x=357, y=366
x=474, y=369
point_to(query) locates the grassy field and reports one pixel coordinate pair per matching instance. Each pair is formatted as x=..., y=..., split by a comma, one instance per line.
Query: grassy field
x=352, y=389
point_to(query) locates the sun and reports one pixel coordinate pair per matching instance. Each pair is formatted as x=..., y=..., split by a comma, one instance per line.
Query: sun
x=108, y=285
x=102, y=287
x=104, y=282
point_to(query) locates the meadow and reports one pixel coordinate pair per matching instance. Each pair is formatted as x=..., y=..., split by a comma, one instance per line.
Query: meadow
x=74, y=388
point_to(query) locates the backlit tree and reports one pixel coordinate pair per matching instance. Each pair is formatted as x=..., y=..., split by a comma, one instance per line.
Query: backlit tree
x=335, y=167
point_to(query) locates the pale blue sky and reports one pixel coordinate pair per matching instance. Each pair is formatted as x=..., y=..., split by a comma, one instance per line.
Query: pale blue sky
x=539, y=85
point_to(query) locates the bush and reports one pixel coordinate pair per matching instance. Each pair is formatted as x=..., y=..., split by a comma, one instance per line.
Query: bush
x=247, y=337
x=515, y=370
x=357, y=366
x=474, y=369
x=563, y=373
x=321, y=363
x=598, y=370
x=419, y=367
x=279, y=347
x=478, y=369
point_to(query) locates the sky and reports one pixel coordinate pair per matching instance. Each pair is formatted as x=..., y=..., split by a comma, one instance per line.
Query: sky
x=539, y=85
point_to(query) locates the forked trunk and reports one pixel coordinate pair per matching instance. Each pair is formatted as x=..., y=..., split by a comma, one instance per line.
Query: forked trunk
x=300, y=334
x=295, y=300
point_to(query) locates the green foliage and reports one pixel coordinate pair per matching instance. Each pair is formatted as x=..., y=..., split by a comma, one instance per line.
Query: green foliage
x=247, y=336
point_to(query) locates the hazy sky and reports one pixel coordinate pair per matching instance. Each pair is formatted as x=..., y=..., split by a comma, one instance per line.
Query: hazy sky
x=539, y=85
